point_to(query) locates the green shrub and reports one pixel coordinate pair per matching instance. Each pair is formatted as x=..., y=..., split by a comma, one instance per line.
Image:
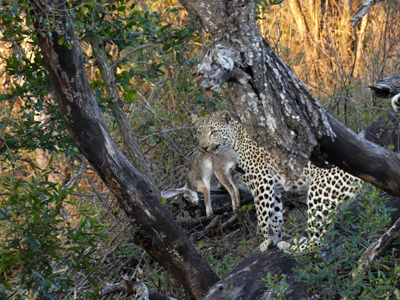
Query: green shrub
x=327, y=269
x=329, y=274
x=41, y=248
x=278, y=286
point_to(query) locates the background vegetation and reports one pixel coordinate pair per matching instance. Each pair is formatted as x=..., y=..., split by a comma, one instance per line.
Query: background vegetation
x=60, y=228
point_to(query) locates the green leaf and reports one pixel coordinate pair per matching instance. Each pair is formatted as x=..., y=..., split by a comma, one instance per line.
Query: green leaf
x=6, y=284
x=130, y=96
x=37, y=274
x=92, y=281
x=85, y=10
x=166, y=47
x=91, y=4
x=125, y=86
x=61, y=40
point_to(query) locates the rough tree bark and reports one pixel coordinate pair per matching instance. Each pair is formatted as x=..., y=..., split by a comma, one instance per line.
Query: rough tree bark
x=277, y=109
x=158, y=233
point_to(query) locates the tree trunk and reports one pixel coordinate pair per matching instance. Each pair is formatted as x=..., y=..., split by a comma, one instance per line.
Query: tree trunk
x=299, y=18
x=158, y=233
x=363, y=9
x=277, y=109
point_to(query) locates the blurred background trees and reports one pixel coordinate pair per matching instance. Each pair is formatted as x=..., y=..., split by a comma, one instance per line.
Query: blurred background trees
x=152, y=46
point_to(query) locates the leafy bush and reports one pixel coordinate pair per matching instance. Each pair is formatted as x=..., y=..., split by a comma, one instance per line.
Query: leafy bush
x=41, y=247
x=329, y=273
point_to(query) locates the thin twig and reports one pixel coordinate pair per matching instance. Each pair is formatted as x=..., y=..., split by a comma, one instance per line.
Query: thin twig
x=128, y=53
x=165, y=131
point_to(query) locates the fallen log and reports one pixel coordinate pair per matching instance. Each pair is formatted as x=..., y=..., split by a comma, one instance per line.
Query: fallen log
x=245, y=281
x=221, y=202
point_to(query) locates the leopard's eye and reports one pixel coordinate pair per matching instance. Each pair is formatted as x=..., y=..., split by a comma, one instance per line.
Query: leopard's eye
x=213, y=132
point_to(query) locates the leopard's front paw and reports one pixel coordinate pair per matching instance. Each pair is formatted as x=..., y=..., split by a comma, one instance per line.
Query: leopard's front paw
x=265, y=245
x=293, y=245
x=269, y=241
x=284, y=245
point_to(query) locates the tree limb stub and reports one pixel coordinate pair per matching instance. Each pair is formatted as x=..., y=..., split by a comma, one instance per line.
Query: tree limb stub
x=161, y=237
x=278, y=110
x=387, y=87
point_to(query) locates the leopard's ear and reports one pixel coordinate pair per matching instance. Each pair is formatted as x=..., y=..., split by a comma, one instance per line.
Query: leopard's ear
x=195, y=120
x=224, y=117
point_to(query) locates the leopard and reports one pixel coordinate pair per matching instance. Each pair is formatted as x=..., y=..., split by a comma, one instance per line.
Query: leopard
x=325, y=188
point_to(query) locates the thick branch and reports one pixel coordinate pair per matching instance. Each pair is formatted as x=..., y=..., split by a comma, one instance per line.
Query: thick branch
x=362, y=158
x=158, y=233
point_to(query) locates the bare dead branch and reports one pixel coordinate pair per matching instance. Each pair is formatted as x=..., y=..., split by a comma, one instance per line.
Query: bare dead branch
x=378, y=248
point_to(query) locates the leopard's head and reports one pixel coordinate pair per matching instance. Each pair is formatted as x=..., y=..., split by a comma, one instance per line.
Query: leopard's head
x=214, y=130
